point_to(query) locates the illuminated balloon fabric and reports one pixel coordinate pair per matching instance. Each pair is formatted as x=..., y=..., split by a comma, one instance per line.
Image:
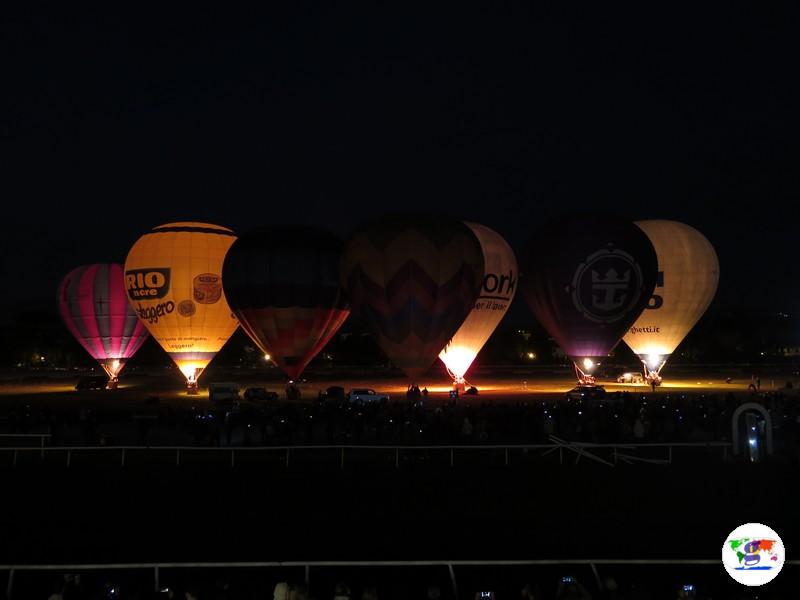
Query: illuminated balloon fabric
x=497, y=292
x=688, y=277
x=173, y=276
x=587, y=279
x=92, y=303
x=413, y=280
x=283, y=285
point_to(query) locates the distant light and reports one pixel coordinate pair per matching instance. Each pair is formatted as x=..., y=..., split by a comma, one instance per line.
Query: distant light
x=267, y=357
x=752, y=442
x=587, y=363
x=531, y=355
x=41, y=358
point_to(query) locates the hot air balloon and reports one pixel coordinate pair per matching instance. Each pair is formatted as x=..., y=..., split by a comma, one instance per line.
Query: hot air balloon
x=497, y=292
x=586, y=280
x=413, y=280
x=173, y=276
x=92, y=303
x=283, y=285
x=688, y=273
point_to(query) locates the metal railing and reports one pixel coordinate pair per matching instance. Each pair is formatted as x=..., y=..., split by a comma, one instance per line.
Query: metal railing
x=157, y=568
x=621, y=452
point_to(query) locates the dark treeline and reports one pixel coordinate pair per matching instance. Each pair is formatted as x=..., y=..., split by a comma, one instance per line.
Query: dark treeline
x=723, y=335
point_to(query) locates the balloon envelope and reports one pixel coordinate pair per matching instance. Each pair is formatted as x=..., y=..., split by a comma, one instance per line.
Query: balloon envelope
x=173, y=276
x=587, y=279
x=688, y=277
x=413, y=280
x=497, y=292
x=92, y=303
x=283, y=285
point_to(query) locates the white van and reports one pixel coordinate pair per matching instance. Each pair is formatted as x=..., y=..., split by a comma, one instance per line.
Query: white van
x=223, y=392
x=367, y=395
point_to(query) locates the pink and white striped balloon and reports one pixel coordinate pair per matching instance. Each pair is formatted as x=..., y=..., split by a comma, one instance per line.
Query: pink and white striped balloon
x=95, y=308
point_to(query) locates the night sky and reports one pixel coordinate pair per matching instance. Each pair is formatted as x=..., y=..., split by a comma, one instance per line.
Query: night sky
x=328, y=114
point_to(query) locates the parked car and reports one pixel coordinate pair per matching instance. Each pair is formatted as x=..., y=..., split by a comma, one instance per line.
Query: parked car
x=367, y=395
x=632, y=377
x=95, y=382
x=586, y=392
x=334, y=393
x=259, y=394
x=223, y=392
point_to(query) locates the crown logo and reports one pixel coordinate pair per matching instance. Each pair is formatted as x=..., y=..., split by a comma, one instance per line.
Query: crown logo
x=612, y=277
x=606, y=285
x=610, y=292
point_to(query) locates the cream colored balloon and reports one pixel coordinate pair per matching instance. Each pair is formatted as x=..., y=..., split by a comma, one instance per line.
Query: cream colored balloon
x=497, y=292
x=688, y=276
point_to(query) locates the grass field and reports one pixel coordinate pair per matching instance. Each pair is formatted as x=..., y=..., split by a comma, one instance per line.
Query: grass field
x=495, y=385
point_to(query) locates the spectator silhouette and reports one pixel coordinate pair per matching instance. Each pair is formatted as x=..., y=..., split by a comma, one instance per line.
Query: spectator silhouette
x=58, y=590
x=191, y=593
x=531, y=592
x=342, y=591
x=281, y=591
x=609, y=589
x=369, y=593
x=571, y=589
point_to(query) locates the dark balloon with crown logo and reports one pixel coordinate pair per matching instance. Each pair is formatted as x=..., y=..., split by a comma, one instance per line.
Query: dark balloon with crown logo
x=587, y=279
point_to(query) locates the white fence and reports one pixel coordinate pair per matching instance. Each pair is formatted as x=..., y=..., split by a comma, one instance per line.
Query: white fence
x=606, y=454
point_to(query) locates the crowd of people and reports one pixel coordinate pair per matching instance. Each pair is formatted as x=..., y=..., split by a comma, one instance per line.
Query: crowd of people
x=567, y=587
x=618, y=417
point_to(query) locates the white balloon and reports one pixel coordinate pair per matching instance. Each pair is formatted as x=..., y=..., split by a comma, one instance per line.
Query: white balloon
x=499, y=286
x=688, y=273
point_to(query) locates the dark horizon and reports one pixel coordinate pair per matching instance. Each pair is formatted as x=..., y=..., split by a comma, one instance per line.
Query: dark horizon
x=119, y=122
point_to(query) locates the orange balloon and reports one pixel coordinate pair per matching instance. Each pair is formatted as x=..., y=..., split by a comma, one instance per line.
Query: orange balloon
x=173, y=277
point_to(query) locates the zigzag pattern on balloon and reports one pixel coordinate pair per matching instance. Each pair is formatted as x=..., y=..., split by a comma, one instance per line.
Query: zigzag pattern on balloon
x=413, y=279
x=413, y=303
x=387, y=254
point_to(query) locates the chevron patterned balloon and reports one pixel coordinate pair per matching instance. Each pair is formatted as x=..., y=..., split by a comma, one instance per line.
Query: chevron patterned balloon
x=413, y=280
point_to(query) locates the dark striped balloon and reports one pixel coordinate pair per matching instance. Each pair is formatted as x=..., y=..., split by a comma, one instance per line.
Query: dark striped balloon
x=282, y=282
x=95, y=308
x=413, y=279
